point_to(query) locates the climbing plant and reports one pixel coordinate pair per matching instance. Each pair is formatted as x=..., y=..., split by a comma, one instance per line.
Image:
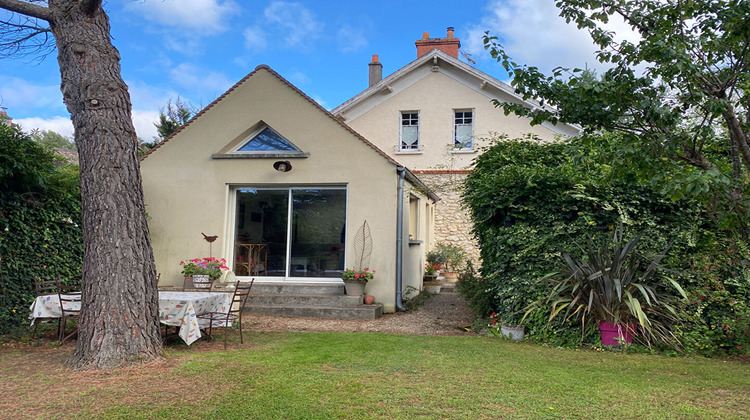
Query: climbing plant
x=40, y=217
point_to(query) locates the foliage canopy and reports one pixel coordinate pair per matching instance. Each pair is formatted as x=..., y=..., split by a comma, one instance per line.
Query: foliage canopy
x=680, y=91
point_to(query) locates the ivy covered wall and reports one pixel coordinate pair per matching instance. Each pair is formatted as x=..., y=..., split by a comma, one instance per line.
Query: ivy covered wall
x=40, y=212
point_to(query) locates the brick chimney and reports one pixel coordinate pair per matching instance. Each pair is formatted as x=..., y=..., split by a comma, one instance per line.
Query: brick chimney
x=376, y=71
x=448, y=45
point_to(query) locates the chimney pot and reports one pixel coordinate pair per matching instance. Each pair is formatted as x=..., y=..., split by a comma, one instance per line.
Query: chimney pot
x=449, y=45
x=375, y=71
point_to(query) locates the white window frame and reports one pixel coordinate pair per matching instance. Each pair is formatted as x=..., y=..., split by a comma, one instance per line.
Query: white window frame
x=400, y=147
x=454, y=142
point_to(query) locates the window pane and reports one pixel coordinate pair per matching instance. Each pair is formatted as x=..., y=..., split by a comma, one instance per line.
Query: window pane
x=261, y=232
x=318, y=233
x=463, y=136
x=267, y=141
x=409, y=137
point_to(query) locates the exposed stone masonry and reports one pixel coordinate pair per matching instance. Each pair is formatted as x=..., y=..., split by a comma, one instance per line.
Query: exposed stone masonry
x=452, y=222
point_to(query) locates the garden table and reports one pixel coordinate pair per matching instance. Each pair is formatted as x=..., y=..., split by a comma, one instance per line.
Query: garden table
x=179, y=309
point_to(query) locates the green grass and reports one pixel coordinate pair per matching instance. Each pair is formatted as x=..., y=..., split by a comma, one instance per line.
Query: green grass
x=376, y=375
x=334, y=375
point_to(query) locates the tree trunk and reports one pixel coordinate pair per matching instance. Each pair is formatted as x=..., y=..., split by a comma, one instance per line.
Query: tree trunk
x=119, y=322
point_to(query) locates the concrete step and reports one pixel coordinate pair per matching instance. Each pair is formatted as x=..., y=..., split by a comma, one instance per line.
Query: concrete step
x=277, y=299
x=448, y=287
x=299, y=288
x=307, y=311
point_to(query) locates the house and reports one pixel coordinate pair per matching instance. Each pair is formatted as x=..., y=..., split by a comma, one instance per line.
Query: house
x=434, y=115
x=286, y=187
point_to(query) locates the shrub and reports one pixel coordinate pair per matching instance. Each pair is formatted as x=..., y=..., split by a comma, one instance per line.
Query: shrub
x=530, y=200
x=40, y=218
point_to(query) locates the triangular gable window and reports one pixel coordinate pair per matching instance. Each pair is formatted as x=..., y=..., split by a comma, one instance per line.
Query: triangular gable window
x=268, y=140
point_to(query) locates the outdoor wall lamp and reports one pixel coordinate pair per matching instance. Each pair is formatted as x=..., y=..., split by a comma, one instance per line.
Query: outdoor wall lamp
x=282, y=166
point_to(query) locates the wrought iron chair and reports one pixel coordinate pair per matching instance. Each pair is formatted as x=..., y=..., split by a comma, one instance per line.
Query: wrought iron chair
x=70, y=306
x=234, y=311
x=44, y=288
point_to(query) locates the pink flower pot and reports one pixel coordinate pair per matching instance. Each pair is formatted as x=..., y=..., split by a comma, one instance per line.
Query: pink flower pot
x=615, y=334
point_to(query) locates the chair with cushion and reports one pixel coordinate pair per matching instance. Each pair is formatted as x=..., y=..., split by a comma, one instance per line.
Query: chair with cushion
x=233, y=312
x=70, y=307
x=44, y=288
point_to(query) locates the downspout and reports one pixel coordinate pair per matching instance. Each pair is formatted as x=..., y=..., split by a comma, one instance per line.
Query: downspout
x=400, y=239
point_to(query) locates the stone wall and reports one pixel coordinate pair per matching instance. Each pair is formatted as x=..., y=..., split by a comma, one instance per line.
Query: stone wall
x=452, y=222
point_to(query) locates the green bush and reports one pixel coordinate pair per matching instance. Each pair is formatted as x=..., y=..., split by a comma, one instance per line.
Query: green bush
x=529, y=201
x=40, y=218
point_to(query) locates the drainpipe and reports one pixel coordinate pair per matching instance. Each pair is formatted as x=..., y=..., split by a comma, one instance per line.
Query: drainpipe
x=400, y=239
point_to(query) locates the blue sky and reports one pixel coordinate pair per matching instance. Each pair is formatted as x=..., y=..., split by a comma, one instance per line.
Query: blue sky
x=198, y=48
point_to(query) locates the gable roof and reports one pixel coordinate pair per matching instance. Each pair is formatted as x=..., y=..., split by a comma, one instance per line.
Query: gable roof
x=450, y=66
x=413, y=178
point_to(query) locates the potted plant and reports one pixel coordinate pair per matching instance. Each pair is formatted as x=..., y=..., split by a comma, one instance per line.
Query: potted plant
x=619, y=288
x=430, y=280
x=203, y=271
x=509, y=330
x=454, y=257
x=355, y=280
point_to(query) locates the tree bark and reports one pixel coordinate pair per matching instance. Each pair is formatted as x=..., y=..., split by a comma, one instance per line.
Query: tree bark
x=119, y=322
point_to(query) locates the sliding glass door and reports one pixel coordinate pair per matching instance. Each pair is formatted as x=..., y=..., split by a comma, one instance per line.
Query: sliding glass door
x=290, y=233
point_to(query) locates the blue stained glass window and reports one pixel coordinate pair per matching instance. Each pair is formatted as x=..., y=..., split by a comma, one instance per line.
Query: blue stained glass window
x=267, y=141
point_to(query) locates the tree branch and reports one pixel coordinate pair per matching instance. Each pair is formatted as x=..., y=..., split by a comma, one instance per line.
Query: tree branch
x=28, y=9
x=89, y=6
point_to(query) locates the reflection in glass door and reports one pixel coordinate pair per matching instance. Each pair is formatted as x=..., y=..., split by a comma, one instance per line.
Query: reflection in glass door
x=318, y=233
x=292, y=233
x=261, y=232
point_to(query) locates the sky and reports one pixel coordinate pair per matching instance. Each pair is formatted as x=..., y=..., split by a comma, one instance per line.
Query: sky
x=197, y=49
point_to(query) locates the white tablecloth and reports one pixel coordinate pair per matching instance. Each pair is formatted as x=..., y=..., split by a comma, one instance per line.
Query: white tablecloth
x=179, y=309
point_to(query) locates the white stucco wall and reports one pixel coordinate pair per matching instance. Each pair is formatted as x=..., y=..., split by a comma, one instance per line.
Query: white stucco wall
x=187, y=192
x=436, y=96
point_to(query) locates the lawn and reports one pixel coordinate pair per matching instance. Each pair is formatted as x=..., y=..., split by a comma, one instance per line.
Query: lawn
x=344, y=375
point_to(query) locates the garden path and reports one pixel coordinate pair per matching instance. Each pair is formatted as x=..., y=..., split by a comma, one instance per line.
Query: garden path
x=443, y=314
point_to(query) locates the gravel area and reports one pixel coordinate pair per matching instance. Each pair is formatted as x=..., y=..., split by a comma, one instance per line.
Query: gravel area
x=443, y=314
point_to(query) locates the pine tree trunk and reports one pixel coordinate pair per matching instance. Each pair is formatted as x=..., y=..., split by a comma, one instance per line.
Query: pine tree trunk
x=119, y=322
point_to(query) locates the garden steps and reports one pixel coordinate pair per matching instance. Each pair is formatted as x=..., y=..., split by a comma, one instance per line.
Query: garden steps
x=301, y=300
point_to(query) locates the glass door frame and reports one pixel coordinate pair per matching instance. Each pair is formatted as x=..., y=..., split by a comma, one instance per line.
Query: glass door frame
x=232, y=228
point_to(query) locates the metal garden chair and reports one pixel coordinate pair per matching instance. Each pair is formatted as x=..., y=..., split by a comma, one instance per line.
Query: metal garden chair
x=44, y=288
x=234, y=311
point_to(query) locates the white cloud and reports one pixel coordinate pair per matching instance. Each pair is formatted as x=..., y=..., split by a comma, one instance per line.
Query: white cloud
x=18, y=94
x=351, y=39
x=60, y=125
x=298, y=78
x=533, y=33
x=296, y=21
x=142, y=120
x=144, y=123
x=204, y=17
x=192, y=77
x=320, y=101
x=255, y=39
x=148, y=97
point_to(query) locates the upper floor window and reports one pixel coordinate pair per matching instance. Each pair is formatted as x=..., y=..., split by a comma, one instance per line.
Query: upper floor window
x=409, y=131
x=463, y=129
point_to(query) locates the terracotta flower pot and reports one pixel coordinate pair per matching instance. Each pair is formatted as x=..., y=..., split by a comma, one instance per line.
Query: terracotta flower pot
x=369, y=299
